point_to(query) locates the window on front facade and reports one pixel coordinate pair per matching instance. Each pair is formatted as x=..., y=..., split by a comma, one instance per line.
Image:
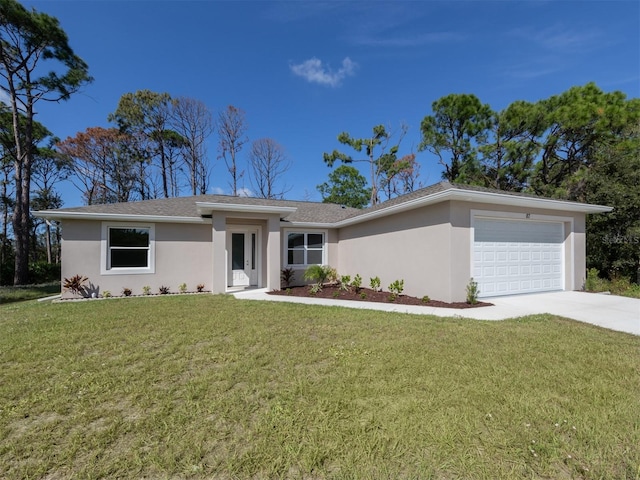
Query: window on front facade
x=129, y=247
x=305, y=248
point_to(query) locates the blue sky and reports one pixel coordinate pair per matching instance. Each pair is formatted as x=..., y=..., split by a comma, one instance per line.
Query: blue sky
x=305, y=71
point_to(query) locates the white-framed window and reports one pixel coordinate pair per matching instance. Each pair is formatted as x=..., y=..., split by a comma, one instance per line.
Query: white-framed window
x=303, y=248
x=127, y=248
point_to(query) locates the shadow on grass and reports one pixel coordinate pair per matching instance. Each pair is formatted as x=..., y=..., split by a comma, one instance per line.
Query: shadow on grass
x=22, y=293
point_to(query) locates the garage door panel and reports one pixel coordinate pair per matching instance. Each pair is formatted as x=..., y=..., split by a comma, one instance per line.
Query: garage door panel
x=514, y=256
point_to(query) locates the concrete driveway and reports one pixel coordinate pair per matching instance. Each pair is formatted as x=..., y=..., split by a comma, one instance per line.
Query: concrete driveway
x=608, y=311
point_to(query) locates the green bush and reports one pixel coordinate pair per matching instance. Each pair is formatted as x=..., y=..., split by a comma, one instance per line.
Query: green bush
x=472, y=292
x=375, y=283
x=318, y=273
x=357, y=282
x=345, y=281
x=593, y=281
x=43, y=272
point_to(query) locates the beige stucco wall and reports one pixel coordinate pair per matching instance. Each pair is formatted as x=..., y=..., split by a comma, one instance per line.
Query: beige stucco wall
x=182, y=252
x=414, y=246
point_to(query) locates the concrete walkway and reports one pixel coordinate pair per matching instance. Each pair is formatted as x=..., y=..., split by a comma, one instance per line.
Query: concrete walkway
x=608, y=311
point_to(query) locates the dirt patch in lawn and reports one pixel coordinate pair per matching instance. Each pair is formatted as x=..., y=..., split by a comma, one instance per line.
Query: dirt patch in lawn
x=367, y=295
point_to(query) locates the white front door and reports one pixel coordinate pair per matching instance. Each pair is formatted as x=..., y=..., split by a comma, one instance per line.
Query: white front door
x=243, y=258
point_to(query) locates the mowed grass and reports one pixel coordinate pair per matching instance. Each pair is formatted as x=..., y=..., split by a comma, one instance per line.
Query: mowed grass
x=10, y=294
x=213, y=387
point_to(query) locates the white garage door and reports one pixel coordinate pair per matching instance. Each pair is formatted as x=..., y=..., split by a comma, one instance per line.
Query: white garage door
x=515, y=256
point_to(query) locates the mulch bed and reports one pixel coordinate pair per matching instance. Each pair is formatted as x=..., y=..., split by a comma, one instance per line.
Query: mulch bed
x=335, y=293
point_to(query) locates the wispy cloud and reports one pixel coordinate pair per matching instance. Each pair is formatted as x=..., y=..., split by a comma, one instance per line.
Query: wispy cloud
x=314, y=71
x=557, y=37
x=417, y=40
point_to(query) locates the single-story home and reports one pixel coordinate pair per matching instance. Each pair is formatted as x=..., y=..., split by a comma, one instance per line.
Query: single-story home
x=435, y=239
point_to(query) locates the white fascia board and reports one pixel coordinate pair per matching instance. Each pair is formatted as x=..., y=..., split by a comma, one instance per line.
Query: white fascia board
x=531, y=202
x=205, y=208
x=286, y=224
x=54, y=215
x=480, y=197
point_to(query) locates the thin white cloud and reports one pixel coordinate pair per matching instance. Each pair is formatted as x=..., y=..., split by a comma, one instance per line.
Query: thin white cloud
x=558, y=37
x=217, y=191
x=418, y=40
x=314, y=71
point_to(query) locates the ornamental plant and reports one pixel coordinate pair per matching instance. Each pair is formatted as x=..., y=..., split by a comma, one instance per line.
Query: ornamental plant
x=75, y=284
x=375, y=283
x=472, y=292
x=357, y=282
x=286, y=276
x=182, y=288
x=396, y=289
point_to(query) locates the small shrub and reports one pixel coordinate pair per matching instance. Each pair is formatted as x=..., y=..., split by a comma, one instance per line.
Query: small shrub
x=357, y=282
x=200, y=287
x=397, y=287
x=363, y=295
x=336, y=294
x=288, y=290
x=375, y=283
x=315, y=288
x=316, y=273
x=126, y=292
x=426, y=299
x=163, y=290
x=472, y=292
x=106, y=294
x=345, y=281
x=331, y=274
x=182, y=288
x=146, y=290
x=75, y=284
x=591, y=284
x=286, y=276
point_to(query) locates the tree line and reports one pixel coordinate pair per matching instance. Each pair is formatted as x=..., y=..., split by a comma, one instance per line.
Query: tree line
x=582, y=144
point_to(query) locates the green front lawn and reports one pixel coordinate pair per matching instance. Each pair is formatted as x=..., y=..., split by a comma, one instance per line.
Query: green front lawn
x=213, y=387
x=10, y=294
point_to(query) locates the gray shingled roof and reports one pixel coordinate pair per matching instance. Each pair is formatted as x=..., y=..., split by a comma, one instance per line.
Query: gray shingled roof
x=307, y=212
x=186, y=207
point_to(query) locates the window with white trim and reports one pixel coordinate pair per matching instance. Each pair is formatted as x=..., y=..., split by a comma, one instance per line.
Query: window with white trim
x=127, y=248
x=305, y=248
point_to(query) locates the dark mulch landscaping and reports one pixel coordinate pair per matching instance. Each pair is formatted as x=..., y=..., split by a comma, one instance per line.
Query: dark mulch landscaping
x=368, y=295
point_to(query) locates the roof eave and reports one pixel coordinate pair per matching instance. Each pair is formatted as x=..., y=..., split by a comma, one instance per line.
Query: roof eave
x=118, y=217
x=205, y=208
x=479, y=197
